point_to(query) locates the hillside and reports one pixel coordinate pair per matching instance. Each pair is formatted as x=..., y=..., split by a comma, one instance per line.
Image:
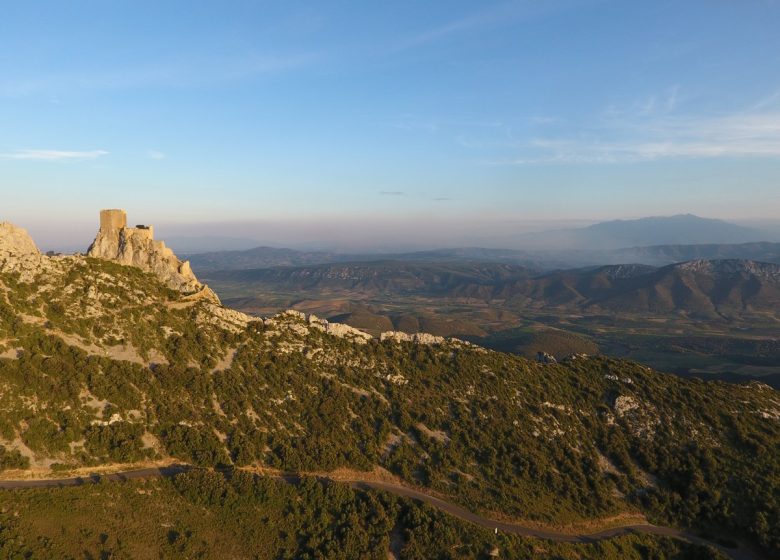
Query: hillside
x=668, y=254
x=258, y=257
x=710, y=289
x=102, y=363
x=400, y=277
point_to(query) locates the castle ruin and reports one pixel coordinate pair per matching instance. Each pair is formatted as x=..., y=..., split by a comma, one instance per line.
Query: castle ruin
x=136, y=246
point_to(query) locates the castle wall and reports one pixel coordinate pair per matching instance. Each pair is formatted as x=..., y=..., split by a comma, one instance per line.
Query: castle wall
x=113, y=219
x=140, y=233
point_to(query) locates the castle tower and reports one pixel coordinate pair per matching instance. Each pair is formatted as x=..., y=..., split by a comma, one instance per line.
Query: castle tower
x=113, y=219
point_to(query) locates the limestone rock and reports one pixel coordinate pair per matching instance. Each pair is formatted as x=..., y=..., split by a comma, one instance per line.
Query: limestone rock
x=345, y=331
x=624, y=404
x=336, y=329
x=545, y=358
x=417, y=338
x=16, y=241
x=223, y=317
x=18, y=254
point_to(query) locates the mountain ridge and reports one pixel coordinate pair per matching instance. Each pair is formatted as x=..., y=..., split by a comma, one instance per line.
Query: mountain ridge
x=104, y=362
x=753, y=286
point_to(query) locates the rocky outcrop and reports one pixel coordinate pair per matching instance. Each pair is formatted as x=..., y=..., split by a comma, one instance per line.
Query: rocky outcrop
x=545, y=358
x=15, y=241
x=19, y=254
x=417, y=338
x=339, y=329
x=137, y=247
x=302, y=324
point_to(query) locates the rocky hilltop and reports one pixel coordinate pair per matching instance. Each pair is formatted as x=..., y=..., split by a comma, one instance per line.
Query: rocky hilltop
x=15, y=241
x=137, y=247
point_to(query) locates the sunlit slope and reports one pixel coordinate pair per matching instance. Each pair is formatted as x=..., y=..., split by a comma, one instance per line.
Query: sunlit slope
x=101, y=363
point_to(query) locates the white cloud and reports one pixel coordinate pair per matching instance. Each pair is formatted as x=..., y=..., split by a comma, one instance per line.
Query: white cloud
x=154, y=154
x=54, y=155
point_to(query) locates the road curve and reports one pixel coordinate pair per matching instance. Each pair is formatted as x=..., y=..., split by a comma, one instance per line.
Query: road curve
x=406, y=492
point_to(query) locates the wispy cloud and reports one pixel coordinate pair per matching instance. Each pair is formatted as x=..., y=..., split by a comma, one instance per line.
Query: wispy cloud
x=391, y=193
x=54, y=155
x=655, y=131
x=172, y=73
x=500, y=14
x=154, y=154
x=416, y=125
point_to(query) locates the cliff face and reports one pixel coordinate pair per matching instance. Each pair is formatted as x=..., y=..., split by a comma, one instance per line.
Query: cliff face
x=137, y=247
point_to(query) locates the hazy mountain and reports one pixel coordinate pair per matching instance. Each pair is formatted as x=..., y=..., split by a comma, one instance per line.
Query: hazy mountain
x=269, y=257
x=617, y=234
x=258, y=257
x=384, y=276
x=654, y=241
x=209, y=243
x=667, y=254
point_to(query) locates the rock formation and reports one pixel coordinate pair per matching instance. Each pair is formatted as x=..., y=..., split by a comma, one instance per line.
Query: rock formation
x=16, y=241
x=545, y=358
x=417, y=338
x=19, y=254
x=137, y=247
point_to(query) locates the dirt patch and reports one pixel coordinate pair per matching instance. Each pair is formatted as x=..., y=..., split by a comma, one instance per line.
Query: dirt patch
x=149, y=441
x=124, y=352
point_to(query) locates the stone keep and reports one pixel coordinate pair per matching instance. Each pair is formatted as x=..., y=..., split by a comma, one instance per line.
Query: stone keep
x=113, y=220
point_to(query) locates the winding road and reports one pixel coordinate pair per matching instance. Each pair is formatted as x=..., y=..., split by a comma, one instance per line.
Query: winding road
x=742, y=553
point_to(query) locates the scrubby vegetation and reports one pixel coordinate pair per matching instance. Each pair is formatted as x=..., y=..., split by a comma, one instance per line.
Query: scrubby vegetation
x=110, y=366
x=201, y=514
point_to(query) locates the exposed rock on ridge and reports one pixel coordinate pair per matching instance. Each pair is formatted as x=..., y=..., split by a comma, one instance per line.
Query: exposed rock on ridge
x=418, y=338
x=16, y=241
x=19, y=254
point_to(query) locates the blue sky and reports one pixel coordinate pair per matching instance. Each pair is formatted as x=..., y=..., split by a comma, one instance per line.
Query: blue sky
x=429, y=117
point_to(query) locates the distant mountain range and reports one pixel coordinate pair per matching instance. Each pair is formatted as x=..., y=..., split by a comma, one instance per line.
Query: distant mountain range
x=618, y=234
x=390, y=277
x=711, y=289
x=708, y=289
x=658, y=255
x=667, y=254
x=654, y=241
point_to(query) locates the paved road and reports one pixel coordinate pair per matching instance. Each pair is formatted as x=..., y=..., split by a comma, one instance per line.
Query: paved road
x=406, y=492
